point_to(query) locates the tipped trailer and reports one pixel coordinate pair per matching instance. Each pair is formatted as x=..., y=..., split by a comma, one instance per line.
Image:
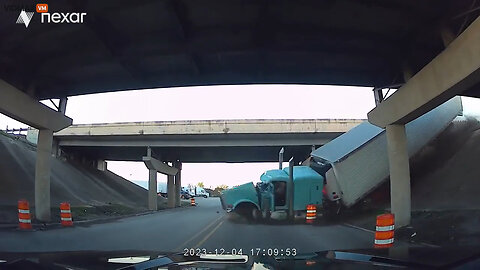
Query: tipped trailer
x=339, y=174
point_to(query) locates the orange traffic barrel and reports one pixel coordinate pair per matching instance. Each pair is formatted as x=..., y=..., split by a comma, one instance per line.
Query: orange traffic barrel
x=65, y=214
x=192, y=202
x=384, y=232
x=24, y=220
x=311, y=213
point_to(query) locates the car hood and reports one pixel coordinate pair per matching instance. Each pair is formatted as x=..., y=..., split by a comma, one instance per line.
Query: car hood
x=242, y=193
x=410, y=257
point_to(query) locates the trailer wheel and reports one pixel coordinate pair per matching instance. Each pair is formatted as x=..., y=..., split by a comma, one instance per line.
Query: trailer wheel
x=331, y=209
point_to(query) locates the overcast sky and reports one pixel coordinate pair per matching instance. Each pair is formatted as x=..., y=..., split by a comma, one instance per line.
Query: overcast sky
x=217, y=102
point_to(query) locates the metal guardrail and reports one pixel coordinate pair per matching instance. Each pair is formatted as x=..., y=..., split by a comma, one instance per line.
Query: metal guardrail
x=15, y=131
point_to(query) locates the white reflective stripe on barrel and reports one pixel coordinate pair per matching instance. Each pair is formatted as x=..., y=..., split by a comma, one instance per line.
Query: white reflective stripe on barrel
x=64, y=211
x=385, y=228
x=24, y=220
x=66, y=219
x=311, y=217
x=24, y=211
x=384, y=242
x=311, y=211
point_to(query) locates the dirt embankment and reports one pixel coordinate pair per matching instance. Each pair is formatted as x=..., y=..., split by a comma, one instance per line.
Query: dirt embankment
x=446, y=173
x=90, y=192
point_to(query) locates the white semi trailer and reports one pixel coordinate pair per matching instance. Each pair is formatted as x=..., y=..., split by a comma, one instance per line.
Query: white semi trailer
x=356, y=162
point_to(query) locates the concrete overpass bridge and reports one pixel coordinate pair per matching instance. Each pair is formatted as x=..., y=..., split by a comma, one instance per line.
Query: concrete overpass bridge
x=201, y=141
x=428, y=51
x=163, y=146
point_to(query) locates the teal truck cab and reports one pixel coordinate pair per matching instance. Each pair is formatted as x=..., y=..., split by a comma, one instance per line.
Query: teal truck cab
x=269, y=197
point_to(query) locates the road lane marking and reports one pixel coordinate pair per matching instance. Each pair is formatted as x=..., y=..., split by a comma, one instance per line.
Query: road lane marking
x=357, y=227
x=209, y=234
x=184, y=244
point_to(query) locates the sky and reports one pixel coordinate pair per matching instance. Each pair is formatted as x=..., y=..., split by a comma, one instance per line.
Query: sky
x=218, y=102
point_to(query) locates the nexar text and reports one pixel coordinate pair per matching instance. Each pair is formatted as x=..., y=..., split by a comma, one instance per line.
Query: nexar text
x=74, y=17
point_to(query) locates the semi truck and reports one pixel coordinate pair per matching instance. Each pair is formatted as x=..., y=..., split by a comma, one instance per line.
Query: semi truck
x=338, y=174
x=195, y=191
x=201, y=192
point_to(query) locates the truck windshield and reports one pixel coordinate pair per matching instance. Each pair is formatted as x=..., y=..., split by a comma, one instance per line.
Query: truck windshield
x=280, y=193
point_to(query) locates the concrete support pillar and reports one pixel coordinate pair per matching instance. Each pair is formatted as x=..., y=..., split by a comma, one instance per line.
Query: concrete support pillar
x=154, y=166
x=171, y=191
x=62, y=105
x=378, y=95
x=152, y=190
x=399, y=174
x=42, y=175
x=178, y=184
x=101, y=165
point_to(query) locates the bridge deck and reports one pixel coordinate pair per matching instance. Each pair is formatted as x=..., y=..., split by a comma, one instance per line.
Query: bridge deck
x=202, y=141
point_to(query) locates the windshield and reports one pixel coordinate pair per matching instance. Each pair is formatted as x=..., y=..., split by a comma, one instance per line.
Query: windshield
x=252, y=128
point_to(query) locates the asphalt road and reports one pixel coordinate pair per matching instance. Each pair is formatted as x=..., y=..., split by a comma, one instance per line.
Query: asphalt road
x=204, y=226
